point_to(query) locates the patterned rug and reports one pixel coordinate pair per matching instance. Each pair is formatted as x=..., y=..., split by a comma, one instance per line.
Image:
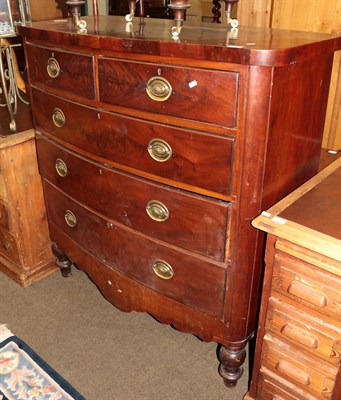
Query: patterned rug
x=25, y=376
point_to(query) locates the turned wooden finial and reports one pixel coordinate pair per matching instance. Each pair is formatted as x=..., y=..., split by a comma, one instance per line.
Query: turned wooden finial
x=75, y=8
x=228, y=10
x=179, y=8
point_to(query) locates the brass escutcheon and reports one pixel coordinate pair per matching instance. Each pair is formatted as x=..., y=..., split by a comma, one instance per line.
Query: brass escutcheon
x=162, y=269
x=53, y=67
x=157, y=211
x=58, y=117
x=70, y=218
x=159, y=150
x=61, y=167
x=158, y=88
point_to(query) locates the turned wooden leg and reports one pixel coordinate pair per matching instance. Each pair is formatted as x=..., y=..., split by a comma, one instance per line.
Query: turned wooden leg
x=62, y=262
x=230, y=368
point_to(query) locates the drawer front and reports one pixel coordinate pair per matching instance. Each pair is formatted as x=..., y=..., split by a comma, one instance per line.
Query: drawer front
x=152, y=209
x=63, y=70
x=304, y=329
x=4, y=217
x=8, y=245
x=274, y=387
x=307, y=285
x=197, y=94
x=3, y=190
x=189, y=280
x=185, y=157
x=298, y=367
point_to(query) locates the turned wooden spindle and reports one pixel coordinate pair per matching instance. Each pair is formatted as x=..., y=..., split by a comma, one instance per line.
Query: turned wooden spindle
x=179, y=8
x=228, y=10
x=132, y=8
x=75, y=9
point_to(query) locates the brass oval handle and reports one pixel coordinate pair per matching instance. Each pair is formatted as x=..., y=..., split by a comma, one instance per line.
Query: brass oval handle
x=53, y=67
x=163, y=270
x=58, y=117
x=158, y=88
x=159, y=150
x=70, y=218
x=157, y=211
x=61, y=167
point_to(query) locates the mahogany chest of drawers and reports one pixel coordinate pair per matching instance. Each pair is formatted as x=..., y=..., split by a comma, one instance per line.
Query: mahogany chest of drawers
x=157, y=153
x=298, y=349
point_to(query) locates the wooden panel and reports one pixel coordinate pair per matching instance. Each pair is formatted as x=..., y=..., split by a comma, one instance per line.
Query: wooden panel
x=316, y=16
x=254, y=12
x=45, y=9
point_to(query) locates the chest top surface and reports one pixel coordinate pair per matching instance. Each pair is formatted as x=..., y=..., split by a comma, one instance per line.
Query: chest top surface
x=310, y=215
x=200, y=41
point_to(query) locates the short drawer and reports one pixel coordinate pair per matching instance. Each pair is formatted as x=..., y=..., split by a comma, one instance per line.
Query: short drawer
x=8, y=245
x=3, y=190
x=4, y=216
x=155, y=210
x=193, y=281
x=302, y=327
x=274, y=387
x=62, y=70
x=307, y=285
x=197, y=94
x=182, y=157
x=298, y=367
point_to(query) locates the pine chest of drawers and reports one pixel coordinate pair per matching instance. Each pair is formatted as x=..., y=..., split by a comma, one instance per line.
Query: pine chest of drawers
x=25, y=247
x=157, y=153
x=298, y=349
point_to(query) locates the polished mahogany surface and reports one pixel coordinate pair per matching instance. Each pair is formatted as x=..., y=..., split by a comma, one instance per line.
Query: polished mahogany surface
x=201, y=41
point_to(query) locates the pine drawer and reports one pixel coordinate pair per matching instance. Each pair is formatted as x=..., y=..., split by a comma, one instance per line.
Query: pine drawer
x=311, y=286
x=305, y=329
x=298, y=367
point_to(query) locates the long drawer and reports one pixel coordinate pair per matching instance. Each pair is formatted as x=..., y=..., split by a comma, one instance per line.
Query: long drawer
x=181, y=156
x=62, y=70
x=190, y=280
x=155, y=210
x=9, y=245
x=169, y=90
